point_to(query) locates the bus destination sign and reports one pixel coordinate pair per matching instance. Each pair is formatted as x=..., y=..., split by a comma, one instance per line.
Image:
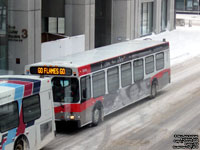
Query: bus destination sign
x=43, y=70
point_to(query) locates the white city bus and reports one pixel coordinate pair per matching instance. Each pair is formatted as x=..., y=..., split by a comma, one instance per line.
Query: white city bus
x=27, y=119
x=92, y=84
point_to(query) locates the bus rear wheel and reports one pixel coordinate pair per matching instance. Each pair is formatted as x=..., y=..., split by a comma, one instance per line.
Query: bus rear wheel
x=96, y=116
x=153, y=90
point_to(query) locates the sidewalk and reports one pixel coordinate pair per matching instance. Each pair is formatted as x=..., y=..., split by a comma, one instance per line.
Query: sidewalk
x=187, y=20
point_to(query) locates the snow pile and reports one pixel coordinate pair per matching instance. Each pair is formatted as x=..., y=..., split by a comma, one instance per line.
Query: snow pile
x=184, y=43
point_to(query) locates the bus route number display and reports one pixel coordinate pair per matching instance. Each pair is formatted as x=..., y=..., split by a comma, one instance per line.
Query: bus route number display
x=51, y=71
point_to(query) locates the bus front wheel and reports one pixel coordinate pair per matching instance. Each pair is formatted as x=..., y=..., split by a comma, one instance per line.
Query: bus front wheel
x=96, y=115
x=21, y=144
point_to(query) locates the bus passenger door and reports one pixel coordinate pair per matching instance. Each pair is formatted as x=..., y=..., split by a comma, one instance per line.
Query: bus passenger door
x=85, y=99
x=45, y=124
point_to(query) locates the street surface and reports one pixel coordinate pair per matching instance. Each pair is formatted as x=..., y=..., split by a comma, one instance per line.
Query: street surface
x=147, y=125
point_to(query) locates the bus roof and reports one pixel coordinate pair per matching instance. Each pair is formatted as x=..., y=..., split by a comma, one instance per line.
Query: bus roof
x=16, y=87
x=102, y=53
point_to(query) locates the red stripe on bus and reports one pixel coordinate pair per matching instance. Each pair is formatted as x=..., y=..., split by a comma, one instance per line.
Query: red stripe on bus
x=84, y=70
x=77, y=107
x=3, y=141
x=90, y=102
x=160, y=74
x=28, y=86
x=22, y=126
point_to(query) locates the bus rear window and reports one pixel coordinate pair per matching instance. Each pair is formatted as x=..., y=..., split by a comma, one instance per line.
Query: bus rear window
x=9, y=116
x=160, y=61
x=65, y=90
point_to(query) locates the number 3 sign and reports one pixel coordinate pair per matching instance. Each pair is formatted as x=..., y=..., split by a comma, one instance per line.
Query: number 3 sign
x=24, y=33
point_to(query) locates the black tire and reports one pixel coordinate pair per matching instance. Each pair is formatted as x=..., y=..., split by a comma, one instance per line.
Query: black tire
x=96, y=115
x=153, y=90
x=19, y=145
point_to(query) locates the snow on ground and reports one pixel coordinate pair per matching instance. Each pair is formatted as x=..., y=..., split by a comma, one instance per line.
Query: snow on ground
x=184, y=42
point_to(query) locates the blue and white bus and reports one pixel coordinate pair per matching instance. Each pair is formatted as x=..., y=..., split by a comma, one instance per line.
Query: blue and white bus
x=27, y=119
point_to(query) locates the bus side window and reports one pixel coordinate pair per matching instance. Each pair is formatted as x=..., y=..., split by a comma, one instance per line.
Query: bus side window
x=85, y=88
x=149, y=64
x=113, y=79
x=159, y=61
x=31, y=108
x=126, y=74
x=98, y=82
x=138, y=68
x=9, y=116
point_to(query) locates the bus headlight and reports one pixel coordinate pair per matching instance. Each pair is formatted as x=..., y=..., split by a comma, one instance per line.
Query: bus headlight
x=72, y=117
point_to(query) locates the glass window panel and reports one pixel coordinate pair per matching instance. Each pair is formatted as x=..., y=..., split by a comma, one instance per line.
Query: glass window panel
x=31, y=108
x=61, y=25
x=126, y=74
x=189, y=5
x=180, y=5
x=146, y=18
x=164, y=15
x=65, y=90
x=159, y=61
x=113, y=79
x=3, y=15
x=138, y=70
x=52, y=25
x=9, y=116
x=85, y=88
x=149, y=64
x=98, y=81
x=150, y=18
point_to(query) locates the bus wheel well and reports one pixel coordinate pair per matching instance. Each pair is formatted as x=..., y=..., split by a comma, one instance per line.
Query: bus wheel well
x=21, y=142
x=99, y=104
x=155, y=81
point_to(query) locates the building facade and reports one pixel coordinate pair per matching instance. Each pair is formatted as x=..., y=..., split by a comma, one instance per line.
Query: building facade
x=188, y=6
x=103, y=22
x=20, y=34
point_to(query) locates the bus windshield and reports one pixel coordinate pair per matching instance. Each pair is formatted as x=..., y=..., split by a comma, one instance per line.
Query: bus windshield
x=65, y=90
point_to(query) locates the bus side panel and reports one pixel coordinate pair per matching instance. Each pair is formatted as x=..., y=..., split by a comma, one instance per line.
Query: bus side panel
x=5, y=143
x=86, y=115
x=126, y=96
x=164, y=80
x=45, y=124
x=9, y=146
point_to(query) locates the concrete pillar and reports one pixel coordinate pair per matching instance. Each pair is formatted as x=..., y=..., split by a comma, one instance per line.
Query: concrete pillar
x=137, y=17
x=157, y=16
x=80, y=19
x=122, y=20
x=24, y=33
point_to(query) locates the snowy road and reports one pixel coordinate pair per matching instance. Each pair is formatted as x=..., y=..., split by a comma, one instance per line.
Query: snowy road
x=148, y=124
